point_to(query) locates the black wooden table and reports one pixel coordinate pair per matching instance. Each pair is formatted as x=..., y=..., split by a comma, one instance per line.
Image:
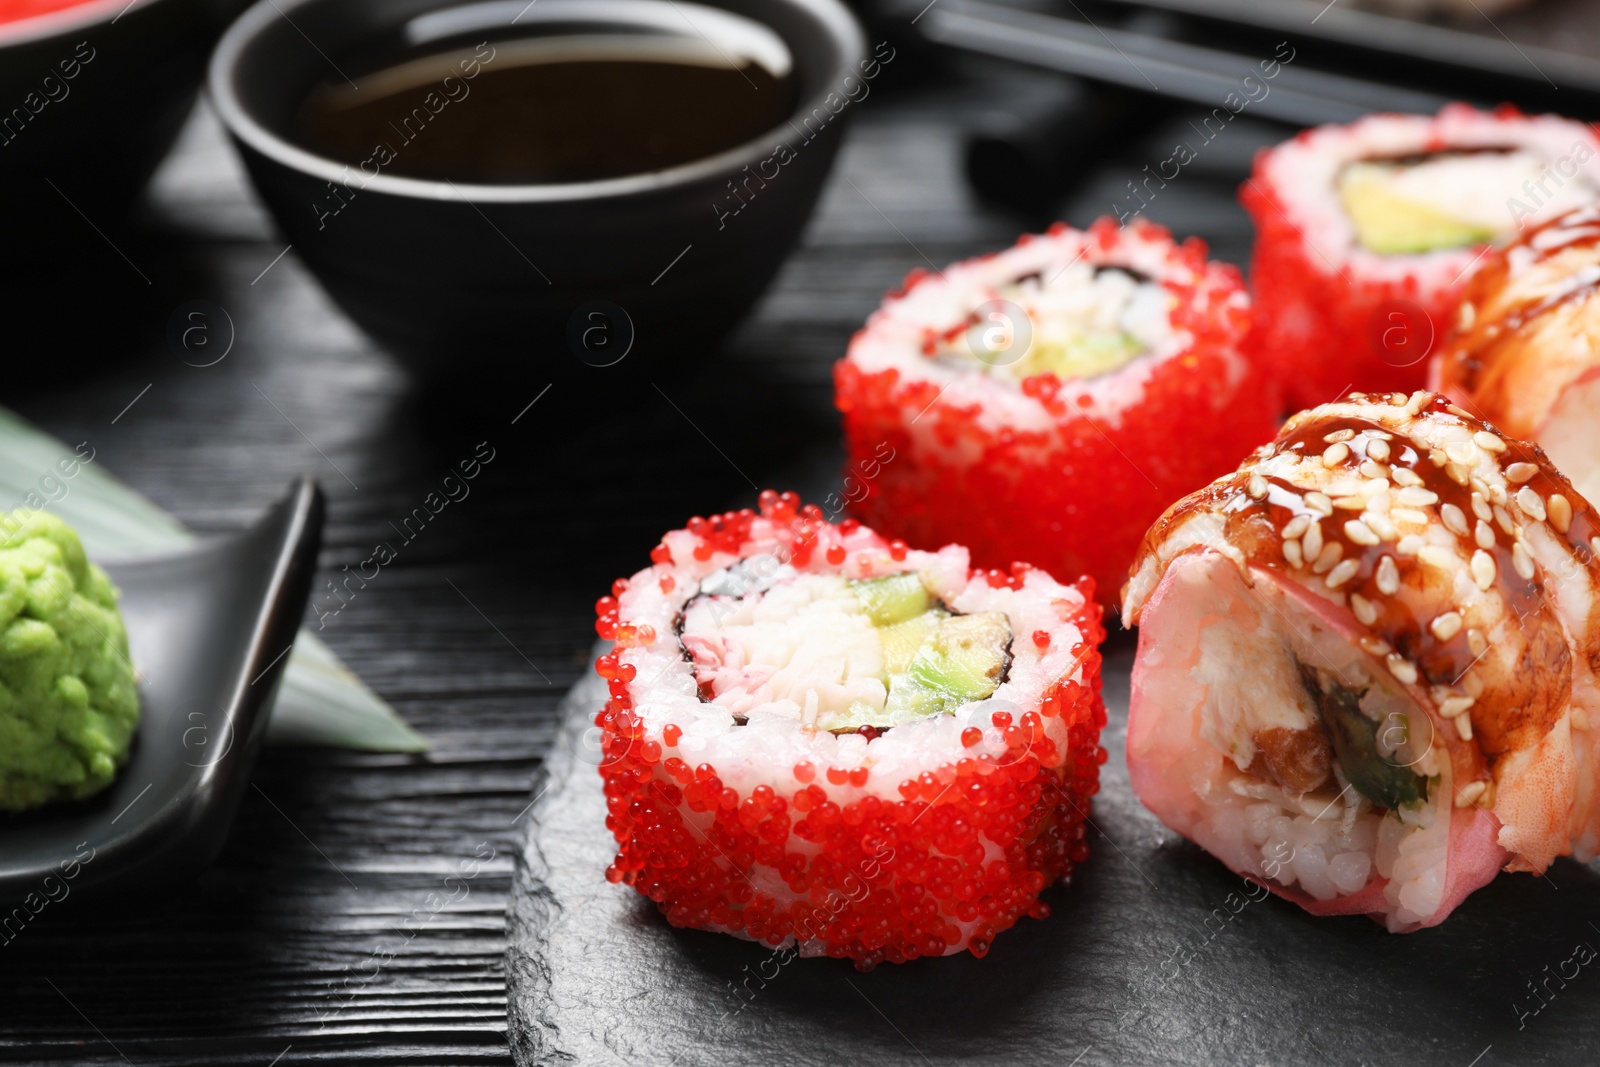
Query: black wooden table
x=330, y=929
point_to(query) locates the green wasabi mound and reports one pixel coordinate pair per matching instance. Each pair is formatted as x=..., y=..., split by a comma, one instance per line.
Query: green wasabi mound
x=68, y=706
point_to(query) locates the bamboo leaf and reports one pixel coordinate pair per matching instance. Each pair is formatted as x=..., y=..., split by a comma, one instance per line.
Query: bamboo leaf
x=320, y=700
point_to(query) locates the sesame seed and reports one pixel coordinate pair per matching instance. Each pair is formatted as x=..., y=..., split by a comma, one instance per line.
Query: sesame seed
x=1418, y=401
x=1497, y=495
x=1483, y=533
x=1434, y=556
x=1437, y=457
x=1521, y=472
x=1360, y=532
x=1415, y=496
x=1454, y=519
x=1455, y=705
x=1342, y=573
x=1373, y=488
x=1468, y=794
x=1295, y=527
x=1463, y=726
x=1531, y=503
x=1594, y=544
x=1366, y=612
x=1338, y=435
x=1378, y=435
x=1291, y=552
x=1388, y=576
x=1560, y=511
x=1319, y=502
x=1350, y=503
x=1411, y=515
x=1401, y=668
x=1470, y=681
x=1311, y=543
x=1374, y=645
x=1409, y=545
x=1397, y=400
x=1466, y=314
x=1503, y=517
x=1522, y=561
x=1457, y=472
x=1373, y=469
x=1446, y=626
x=1380, y=525
x=1483, y=569
x=1462, y=452
x=1405, y=476
x=1478, y=643
x=1378, y=450
x=1489, y=441
x=1327, y=557
x=1334, y=455
x=1480, y=507
x=1257, y=487
x=1344, y=485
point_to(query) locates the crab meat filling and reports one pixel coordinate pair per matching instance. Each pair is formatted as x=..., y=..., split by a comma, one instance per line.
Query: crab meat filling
x=838, y=654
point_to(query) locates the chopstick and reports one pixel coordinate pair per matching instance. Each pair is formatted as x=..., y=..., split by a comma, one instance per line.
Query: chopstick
x=1382, y=37
x=1194, y=73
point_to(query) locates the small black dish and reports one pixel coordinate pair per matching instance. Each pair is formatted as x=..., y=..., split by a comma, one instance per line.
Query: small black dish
x=209, y=630
x=454, y=277
x=91, y=98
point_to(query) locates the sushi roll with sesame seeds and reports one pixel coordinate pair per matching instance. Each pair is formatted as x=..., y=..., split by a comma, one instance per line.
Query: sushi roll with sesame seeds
x=1526, y=351
x=1365, y=673
x=819, y=738
x=1367, y=233
x=1046, y=403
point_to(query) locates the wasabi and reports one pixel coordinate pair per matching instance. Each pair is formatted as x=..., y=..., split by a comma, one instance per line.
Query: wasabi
x=68, y=706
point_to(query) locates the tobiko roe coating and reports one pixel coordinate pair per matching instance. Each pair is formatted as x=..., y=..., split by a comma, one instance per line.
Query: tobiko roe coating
x=1525, y=354
x=1366, y=235
x=1046, y=403
x=819, y=737
x=1366, y=662
x=68, y=706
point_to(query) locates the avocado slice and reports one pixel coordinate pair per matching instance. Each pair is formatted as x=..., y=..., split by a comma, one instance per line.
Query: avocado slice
x=965, y=659
x=1355, y=745
x=935, y=662
x=893, y=598
x=1086, y=355
x=1391, y=225
x=902, y=640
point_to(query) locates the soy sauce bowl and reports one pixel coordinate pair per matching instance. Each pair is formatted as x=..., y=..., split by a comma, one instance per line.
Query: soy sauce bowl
x=553, y=280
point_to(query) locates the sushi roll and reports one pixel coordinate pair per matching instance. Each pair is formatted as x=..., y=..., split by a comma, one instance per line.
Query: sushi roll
x=1046, y=403
x=819, y=738
x=1367, y=233
x=1526, y=352
x=1365, y=673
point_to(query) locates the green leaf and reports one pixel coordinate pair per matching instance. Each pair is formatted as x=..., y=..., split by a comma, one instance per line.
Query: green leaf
x=320, y=701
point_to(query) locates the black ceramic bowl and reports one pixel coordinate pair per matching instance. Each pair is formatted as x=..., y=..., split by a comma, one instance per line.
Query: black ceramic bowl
x=454, y=276
x=91, y=98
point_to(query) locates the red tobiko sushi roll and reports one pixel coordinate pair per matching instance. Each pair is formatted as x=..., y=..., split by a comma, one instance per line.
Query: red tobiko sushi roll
x=1046, y=403
x=1366, y=235
x=819, y=738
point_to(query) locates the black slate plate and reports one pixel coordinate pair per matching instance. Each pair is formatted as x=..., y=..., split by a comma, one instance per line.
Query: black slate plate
x=209, y=629
x=1155, y=954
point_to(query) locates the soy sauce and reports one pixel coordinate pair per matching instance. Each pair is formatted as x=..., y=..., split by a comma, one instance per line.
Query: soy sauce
x=546, y=109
